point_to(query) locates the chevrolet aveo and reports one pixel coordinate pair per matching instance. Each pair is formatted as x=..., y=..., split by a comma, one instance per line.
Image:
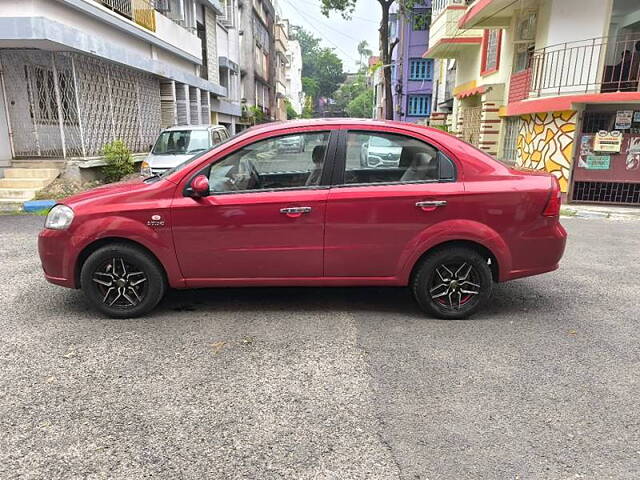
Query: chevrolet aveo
x=444, y=219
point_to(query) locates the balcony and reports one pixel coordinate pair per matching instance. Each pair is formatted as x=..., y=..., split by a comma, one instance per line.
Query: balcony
x=446, y=38
x=593, y=66
x=140, y=11
x=282, y=39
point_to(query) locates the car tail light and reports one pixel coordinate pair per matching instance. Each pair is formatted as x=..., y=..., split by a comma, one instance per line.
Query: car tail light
x=555, y=200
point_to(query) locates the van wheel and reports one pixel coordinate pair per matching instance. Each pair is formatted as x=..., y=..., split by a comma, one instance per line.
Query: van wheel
x=452, y=283
x=122, y=281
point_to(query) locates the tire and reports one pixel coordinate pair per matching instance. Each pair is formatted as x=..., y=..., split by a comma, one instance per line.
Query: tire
x=142, y=280
x=451, y=275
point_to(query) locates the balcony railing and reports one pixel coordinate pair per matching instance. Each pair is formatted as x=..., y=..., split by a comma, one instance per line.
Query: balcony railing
x=438, y=6
x=140, y=11
x=597, y=65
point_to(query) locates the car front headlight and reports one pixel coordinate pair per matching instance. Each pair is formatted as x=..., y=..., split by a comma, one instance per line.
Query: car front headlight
x=59, y=218
x=145, y=169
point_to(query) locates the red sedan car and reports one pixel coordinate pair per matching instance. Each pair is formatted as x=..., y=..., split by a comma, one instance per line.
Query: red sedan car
x=435, y=214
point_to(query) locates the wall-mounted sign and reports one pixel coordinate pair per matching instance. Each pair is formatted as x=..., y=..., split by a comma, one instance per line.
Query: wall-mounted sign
x=624, y=119
x=598, y=162
x=608, y=141
x=636, y=117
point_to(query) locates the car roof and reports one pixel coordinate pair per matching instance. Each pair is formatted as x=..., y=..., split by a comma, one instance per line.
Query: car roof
x=194, y=127
x=350, y=123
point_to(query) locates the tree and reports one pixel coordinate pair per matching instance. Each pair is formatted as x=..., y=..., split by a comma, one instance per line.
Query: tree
x=364, y=52
x=362, y=105
x=310, y=87
x=319, y=64
x=291, y=113
x=346, y=8
x=348, y=91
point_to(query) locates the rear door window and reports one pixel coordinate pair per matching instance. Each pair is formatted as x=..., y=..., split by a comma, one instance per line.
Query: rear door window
x=373, y=157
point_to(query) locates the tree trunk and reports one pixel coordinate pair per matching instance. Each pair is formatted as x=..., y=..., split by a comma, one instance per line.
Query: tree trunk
x=385, y=54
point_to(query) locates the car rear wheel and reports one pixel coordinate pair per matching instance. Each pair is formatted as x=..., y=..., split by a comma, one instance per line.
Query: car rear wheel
x=122, y=281
x=452, y=283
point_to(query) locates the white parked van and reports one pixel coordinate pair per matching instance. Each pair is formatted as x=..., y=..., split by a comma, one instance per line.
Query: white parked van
x=179, y=143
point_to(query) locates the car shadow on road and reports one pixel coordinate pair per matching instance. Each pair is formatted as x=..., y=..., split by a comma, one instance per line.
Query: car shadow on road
x=508, y=299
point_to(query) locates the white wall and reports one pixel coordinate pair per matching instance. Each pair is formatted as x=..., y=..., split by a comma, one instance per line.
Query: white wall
x=59, y=12
x=294, y=76
x=574, y=20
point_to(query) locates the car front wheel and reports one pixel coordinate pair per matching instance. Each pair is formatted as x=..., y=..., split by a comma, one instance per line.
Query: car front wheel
x=122, y=281
x=452, y=283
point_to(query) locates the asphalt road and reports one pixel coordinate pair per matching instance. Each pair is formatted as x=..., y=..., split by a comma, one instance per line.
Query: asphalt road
x=327, y=383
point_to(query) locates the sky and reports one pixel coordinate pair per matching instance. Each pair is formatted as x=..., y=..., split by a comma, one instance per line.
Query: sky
x=341, y=35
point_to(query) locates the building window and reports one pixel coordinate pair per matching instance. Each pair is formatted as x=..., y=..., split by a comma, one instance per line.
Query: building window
x=511, y=129
x=420, y=69
x=418, y=105
x=491, y=51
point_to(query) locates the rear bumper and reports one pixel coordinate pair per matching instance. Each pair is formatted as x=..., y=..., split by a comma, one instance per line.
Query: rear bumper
x=540, y=252
x=54, y=248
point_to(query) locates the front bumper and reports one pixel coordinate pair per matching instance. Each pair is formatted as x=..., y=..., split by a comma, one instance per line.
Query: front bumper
x=57, y=257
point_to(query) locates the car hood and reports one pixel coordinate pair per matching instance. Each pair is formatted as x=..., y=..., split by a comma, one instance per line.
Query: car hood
x=167, y=161
x=108, y=193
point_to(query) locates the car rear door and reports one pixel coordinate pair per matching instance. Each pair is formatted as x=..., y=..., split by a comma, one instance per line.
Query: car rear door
x=272, y=227
x=375, y=214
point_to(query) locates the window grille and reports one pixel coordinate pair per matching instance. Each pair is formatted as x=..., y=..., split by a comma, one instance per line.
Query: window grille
x=419, y=105
x=511, y=129
x=420, y=69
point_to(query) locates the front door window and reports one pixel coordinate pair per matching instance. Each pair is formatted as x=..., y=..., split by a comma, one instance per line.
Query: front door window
x=291, y=161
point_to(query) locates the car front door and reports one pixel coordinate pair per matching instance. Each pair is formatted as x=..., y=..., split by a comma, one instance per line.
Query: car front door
x=375, y=213
x=264, y=215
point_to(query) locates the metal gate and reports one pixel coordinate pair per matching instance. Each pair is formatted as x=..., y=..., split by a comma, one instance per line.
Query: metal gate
x=64, y=104
x=471, y=124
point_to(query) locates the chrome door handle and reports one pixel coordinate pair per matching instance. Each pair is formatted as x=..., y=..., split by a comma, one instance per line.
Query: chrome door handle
x=295, y=210
x=432, y=203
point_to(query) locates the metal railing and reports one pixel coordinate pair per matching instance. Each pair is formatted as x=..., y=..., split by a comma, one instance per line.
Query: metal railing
x=438, y=6
x=140, y=11
x=597, y=65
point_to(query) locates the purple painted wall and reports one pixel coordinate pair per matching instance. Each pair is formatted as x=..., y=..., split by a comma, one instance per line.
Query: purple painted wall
x=412, y=44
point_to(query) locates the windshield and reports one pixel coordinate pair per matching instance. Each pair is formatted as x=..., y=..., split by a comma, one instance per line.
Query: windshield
x=182, y=142
x=179, y=167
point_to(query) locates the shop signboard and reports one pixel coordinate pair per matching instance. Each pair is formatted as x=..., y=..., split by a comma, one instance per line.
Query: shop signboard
x=610, y=142
x=598, y=162
x=624, y=119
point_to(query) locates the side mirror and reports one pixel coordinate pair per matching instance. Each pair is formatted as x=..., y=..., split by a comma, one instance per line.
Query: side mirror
x=199, y=187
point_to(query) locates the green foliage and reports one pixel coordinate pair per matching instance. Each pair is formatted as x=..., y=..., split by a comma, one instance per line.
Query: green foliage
x=348, y=91
x=119, y=161
x=291, y=113
x=364, y=52
x=444, y=128
x=310, y=87
x=319, y=65
x=362, y=105
x=256, y=114
x=307, y=110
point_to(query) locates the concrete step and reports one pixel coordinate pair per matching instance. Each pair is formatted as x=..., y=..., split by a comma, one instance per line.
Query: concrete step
x=31, y=172
x=57, y=164
x=7, y=205
x=17, y=193
x=30, y=183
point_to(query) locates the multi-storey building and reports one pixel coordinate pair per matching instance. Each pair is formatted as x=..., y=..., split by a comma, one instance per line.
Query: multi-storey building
x=412, y=75
x=257, y=71
x=77, y=74
x=227, y=110
x=293, y=76
x=281, y=35
x=550, y=84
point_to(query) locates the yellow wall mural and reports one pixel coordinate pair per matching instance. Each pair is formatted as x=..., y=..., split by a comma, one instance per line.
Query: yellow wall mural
x=545, y=142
